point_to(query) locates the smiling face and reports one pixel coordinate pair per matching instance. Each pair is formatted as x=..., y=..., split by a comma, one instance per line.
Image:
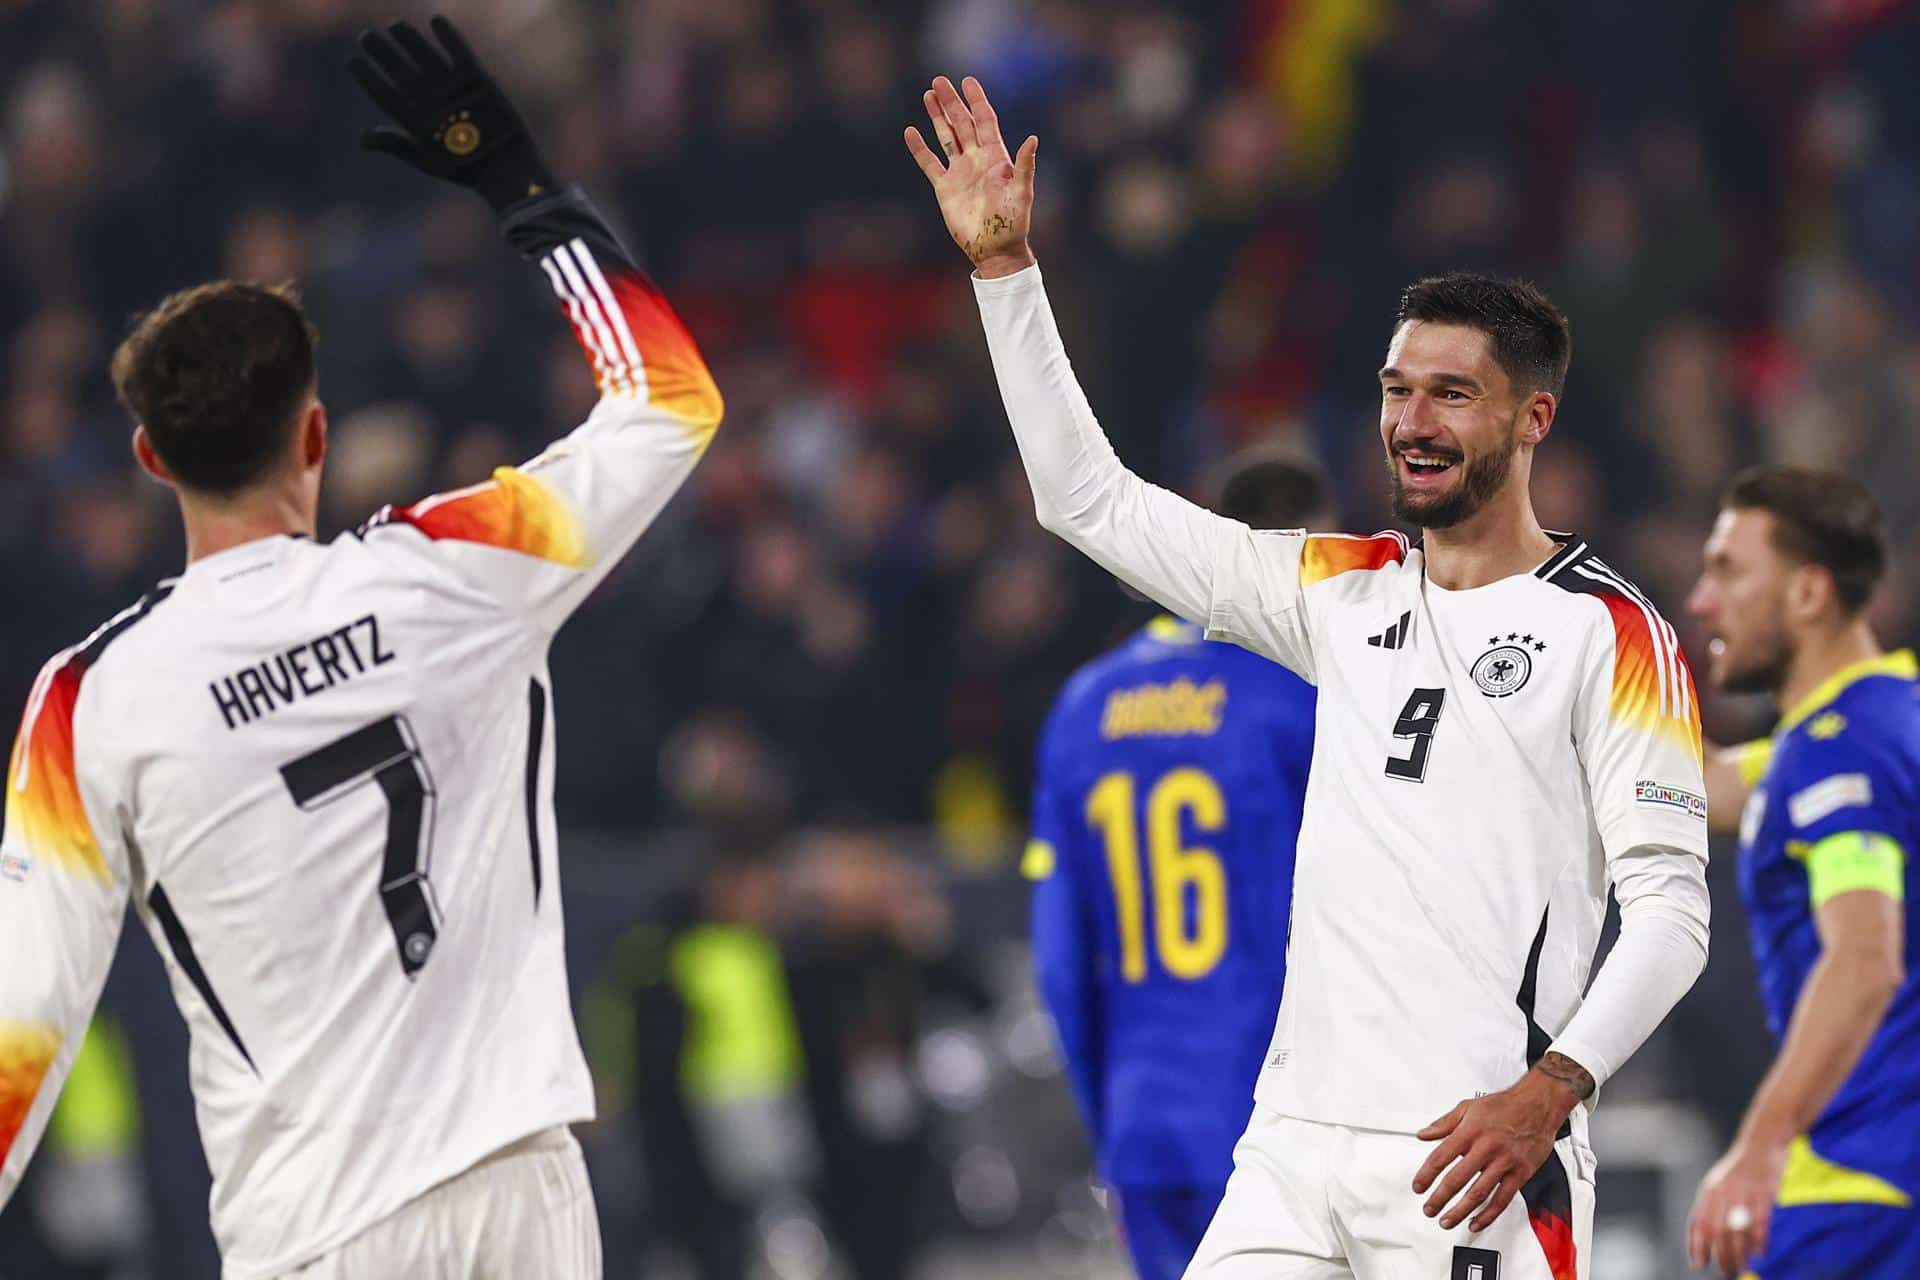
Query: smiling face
x=1452, y=423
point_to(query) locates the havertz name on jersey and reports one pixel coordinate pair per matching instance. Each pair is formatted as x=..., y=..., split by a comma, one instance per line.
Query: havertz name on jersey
x=256, y=691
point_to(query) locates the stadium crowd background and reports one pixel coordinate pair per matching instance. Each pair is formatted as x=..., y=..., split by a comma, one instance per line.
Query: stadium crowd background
x=849, y=623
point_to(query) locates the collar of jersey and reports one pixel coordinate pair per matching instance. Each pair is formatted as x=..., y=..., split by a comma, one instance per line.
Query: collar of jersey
x=1901, y=664
x=1170, y=630
x=262, y=548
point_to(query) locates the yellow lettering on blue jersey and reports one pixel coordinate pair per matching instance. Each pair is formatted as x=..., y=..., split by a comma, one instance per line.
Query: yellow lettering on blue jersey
x=1180, y=707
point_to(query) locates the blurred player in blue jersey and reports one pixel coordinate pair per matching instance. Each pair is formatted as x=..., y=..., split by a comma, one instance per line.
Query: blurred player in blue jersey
x=1167, y=800
x=1821, y=1181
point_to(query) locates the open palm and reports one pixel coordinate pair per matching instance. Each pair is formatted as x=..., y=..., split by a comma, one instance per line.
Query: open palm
x=985, y=195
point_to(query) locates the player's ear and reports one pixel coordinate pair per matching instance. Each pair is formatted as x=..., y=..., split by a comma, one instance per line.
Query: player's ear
x=313, y=435
x=149, y=460
x=1538, y=422
x=1809, y=592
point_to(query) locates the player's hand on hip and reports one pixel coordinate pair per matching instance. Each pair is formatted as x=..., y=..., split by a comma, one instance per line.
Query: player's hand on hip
x=1488, y=1148
x=1731, y=1215
x=985, y=195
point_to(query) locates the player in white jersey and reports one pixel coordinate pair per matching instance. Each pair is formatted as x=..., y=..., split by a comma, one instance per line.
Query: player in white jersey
x=323, y=773
x=1506, y=727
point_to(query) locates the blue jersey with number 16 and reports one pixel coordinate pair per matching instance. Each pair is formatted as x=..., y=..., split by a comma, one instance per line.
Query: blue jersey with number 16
x=1167, y=802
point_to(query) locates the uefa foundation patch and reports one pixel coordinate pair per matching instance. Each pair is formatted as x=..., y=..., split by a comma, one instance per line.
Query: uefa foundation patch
x=1660, y=794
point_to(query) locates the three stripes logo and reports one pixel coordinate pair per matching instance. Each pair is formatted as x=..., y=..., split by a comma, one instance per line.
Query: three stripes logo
x=597, y=317
x=1395, y=636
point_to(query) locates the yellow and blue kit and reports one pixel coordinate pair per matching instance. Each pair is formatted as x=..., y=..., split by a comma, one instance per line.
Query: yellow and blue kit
x=1167, y=802
x=1835, y=808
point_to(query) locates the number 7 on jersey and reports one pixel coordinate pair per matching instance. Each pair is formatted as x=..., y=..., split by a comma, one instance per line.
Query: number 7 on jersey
x=385, y=753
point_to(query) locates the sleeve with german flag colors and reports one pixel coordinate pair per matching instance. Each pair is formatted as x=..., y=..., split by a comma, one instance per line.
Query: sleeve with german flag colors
x=1637, y=731
x=63, y=895
x=1637, y=724
x=1242, y=585
x=541, y=535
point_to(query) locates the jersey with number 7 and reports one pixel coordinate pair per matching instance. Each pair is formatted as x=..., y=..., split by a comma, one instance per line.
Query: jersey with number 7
x=323, y=775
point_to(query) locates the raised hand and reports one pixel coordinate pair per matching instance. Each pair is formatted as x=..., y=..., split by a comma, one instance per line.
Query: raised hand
x=452, y=120
x=985, y=195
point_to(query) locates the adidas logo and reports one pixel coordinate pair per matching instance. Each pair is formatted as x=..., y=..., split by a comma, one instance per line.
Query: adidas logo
x=1394, y=636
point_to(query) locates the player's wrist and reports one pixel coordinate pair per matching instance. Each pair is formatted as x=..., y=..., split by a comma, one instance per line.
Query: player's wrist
x=1555, y=1096
x=1565, y=1081
x=996, y=265
x=514, y=175
x=1766, y=1130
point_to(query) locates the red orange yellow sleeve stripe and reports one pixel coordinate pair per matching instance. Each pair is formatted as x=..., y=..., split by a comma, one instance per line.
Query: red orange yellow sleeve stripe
x=1329, y=555
x=636, y=342
x=1653, y=689
x=44, y=808
x=513, y=511
x=27, y=1051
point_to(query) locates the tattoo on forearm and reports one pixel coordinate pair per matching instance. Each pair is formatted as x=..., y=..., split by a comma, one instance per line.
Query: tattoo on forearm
x=1569, y=1073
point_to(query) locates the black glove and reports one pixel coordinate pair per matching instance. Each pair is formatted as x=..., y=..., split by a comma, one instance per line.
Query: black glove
x=455, y=122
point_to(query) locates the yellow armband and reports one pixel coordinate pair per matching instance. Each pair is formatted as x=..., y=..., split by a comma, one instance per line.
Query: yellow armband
x=1856, y=860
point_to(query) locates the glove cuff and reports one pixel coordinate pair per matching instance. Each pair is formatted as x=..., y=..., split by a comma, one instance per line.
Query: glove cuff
x=513, y=174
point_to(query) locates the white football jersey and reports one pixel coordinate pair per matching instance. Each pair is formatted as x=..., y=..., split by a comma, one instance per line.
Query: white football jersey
x=1479, y=757
x=1485, y=763
x=323, y=774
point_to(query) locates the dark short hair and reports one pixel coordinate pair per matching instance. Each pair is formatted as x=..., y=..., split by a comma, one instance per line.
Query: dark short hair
x=1532, y=341
x=1823, y=518
x=217, y=374
x=1273, y=493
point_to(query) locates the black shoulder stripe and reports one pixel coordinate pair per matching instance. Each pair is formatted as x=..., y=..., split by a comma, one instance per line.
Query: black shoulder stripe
x=381, y=519
x=1579, y=569
x=1572, y=546
x=96, y=644
x=1587, y=574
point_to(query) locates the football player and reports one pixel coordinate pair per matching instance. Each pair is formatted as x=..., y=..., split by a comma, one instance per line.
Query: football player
x=323, y=772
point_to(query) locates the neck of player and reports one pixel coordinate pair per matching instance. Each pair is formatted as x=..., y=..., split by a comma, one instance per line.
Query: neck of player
x=216, y=525
x=1823, y=653
x=1498, y=541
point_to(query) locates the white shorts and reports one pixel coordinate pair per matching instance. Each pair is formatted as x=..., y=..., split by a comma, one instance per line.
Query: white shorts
x=1314, y=1201
x=524, y=1213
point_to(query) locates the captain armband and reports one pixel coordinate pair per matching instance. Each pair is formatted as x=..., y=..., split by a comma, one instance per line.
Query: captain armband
x=1856, y=860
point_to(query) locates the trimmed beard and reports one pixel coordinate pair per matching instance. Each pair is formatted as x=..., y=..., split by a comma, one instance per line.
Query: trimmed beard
x=1766, y=674
x=1481, y=478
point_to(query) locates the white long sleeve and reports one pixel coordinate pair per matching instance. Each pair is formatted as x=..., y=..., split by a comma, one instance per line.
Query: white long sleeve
x=1661, y=950
x=1156, y=541
x=1240, y=584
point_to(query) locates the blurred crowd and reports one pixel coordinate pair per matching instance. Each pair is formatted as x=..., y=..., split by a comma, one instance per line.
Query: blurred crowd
x=852, y=604
x=850, y=616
